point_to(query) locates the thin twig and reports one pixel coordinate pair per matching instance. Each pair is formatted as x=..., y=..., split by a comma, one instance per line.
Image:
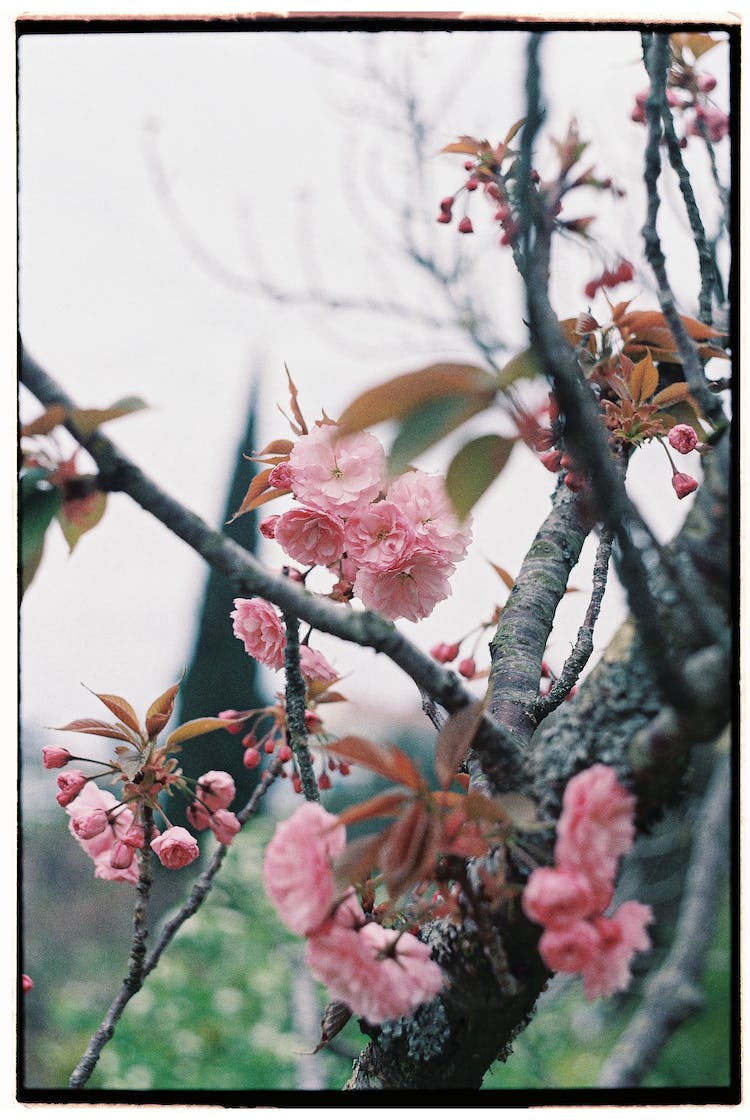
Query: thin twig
x=140, y=968
x=584, y=644
x=294, y=700
x=656, y=51
x=673, y=994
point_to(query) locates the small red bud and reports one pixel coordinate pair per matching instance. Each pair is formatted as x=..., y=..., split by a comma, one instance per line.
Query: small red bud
x=324, y=782
x=624, y=272
x=447, y=203
x=344, y=768
x=297, y=783
x=638, y=115
x=551, y=460
x=492, y=190
x=236, y=727
x=285, y=753
x=574, y=481
x=535, y=177
x=566, y=461
x=249, y=740
x=444, y=217
x=706, y=82
x=26, y=982
x=683, y=484
x=270, y=746
x=465, y=226
x=591, y=289
x=471, y=184
x=467, y=667
x=468, y=165
x=683, y=438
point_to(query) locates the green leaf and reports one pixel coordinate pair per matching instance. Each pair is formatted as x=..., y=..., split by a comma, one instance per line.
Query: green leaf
x=38, y=507
x=523, y=365
x=427, y=424
x=474, y=469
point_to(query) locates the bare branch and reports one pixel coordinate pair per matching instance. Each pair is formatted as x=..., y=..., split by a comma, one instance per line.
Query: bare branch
x=673, y=994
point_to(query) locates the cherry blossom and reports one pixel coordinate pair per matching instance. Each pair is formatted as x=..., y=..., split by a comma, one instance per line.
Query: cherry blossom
x=216, y=789
x=424, y=502
x=311, y=536
x=314, y=666
x=258, y=625
x=297, y=866
x=378, y=537
x=337, y=474
x=175, y=847
x=100, y=847
x=55, y=757
x=411, y=591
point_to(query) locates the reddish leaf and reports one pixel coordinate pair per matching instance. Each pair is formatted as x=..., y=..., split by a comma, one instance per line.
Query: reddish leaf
x=454, y=740
x=643, y=380
x=329, y=697
x=358, y=859
x=44, y=424
x=410, y=849
x=258, y=486
x=400, y=395
x=87, y=420
x=506, y=577
x=466, y=145
x=389, y=762
x=78, y=515
x=160, y=712
x=294, y=404
x=99, y=727
x=277, y=448
x=386, y=804
x=120, y=708
x=679, y=391
x=335, y=1018
x=512, y=131
x=195, y=727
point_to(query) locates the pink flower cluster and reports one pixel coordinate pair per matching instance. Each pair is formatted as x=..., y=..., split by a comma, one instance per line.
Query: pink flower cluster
x=380, y=974
x=259, y=626
x=594, y=830
x=393, y=547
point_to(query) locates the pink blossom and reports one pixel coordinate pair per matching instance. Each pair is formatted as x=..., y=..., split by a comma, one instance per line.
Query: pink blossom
x=620, y=937
x=297, y=866
x=555, y=897
x=445, y=652
x=378, y=537
x=26, y=982
x=683, y=438
x=424, y=502
x=134, y=837
x=280, y=477
x=683, y=484
x=337, y=475
x=378, y=973
x=55, y=757
x=216, y=789
x=258, y=625
x=224, y=826
x=595, y=827
x=175, y=848
x=268, y=526
x=121, y=855
x=99, y=847
x=198, y=817
x=315, y=667
x=88, y=823
x=70, y=782
x=407, y=592
x=570, y=948
x=311, y=536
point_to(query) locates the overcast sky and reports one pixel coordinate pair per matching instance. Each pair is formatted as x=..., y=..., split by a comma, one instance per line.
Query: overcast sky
x=281, y=156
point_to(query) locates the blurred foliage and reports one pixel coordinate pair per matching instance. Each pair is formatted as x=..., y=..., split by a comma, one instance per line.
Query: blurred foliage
x=217, y=1013
x=568, y=1040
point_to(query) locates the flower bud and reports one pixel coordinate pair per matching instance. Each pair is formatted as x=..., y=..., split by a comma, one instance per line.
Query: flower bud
x=71, y=782
x=471, y=184
x=26, y=982
x=683, y=438
x=176, y=848
x=268, y=527
x=284, y=753
x=54, y=757
x=575, y=481
x=324, y=782
x=551, y=460
x=706, y=82
x=224, y=826
x=465, y=226
x=444, y=217
x=447, y=203
x=89, y=823
x=251, y=757
x=467, y=668
x=444, y=652
x=122, y=855
x=216, y=789
x=280, y=477
x=235, y=727
x=468, y=165
x=683, y=484
x=198, y=816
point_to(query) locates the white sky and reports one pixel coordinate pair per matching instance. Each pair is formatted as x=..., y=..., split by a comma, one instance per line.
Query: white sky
x=114, y=304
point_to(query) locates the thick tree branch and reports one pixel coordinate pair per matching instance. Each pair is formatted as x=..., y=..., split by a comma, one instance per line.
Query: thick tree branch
x=295, y=709
x=673, y=994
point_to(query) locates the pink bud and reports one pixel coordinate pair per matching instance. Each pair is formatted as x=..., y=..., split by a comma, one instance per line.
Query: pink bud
x=591, y=289
x=324, y=782
x=638, y=115
x=26, y=982
x=175, y=848
x=551, y=460
x=444, y=217
x=683, y=484
x=444, y=652
x=71, y=782
x=706, y=82
x=468, y=165
x=89, y=823
x=224, y=826
x=471, y=184
x=251, y=757
x=297, y=783
x=672, y=98
x=683, y=438
x=624, y=272
x=198, y=816
x=249, y=740
x=216, y=789
x=54, y=757
x=284, y=753
x=268, y=527
x=280, y=477
x=467, y=667
x=134, y=837
x=122, y=855
x=344, y=768
x=465, y=226
x=236, y=727
x=574, y=481
x=446, y=203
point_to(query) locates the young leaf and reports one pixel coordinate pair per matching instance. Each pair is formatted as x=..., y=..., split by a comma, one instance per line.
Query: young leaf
x=335, y=1018
x=506, y=577
x=399, y=396
x=258, y=486
x=466, y=145
x=160, y=712
x=120, y=708
x=643, y=380
x=428, y=423
x=358, y=859
x=474, y=468
x=37, y=508
x=294, y=404
x=523, y=365
x=454, y=740
x=99, y=727
x=410, y=848
x=195, y=727
x=513, y=130
x=679, y=391
x=87, y=420
x=387, y=804
x=78, y=515
x=521, y=811
x=389, y=762
x=44, y=424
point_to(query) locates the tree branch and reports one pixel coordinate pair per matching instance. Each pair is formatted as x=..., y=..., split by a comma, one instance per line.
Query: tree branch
x=673, y=994
x=295, y=709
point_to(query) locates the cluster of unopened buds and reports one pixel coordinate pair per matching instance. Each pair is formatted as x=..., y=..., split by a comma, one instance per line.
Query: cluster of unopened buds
x=112, y=829
x=689, y=97
x=610, y=278
x=496, y=196
x=378, y=973
x=570, y=900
